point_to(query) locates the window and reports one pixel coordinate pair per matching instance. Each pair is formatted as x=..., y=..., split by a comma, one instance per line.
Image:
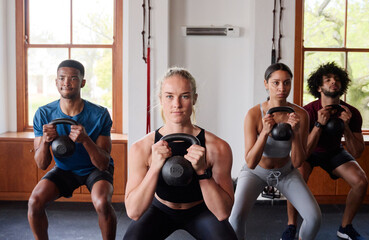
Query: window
x=333, y=30
x=48, y=32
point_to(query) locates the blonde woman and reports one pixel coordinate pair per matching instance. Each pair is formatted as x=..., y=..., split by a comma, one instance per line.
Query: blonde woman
x=202, y=207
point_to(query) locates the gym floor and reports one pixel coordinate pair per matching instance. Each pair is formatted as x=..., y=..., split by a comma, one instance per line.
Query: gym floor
x=79, y=221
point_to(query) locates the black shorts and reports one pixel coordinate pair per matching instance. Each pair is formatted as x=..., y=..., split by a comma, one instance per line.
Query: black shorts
x=330, y=161
x=67, y=181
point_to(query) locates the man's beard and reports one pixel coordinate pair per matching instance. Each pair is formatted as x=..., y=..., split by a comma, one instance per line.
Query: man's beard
x=331, y=94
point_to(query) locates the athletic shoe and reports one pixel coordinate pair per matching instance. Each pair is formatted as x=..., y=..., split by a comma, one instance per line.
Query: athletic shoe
x=289, y=233
x=349, y=233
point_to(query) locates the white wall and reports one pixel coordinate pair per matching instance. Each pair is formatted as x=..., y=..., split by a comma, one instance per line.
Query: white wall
x=229, y=71
x=7, y=67
x=222, y=66
x=3, y=69
x=263, y=41
x=134, y=68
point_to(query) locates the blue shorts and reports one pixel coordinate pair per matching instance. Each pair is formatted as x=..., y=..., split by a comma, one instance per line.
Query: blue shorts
x=330, y=161
x=67, y=181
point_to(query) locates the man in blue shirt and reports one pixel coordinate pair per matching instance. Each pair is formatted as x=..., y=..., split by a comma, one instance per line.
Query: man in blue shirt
x=89, y=165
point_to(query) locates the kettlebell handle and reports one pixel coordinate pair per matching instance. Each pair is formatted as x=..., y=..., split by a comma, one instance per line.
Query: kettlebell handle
x=63, y=146
x=181, y=137
x=64, y=121
x=281, y=131
x=280, y=109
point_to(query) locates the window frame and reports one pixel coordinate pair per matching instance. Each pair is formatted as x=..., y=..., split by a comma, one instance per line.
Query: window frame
x=21, y=7
x=300, y=53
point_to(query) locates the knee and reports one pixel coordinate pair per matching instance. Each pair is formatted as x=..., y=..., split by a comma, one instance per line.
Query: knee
x=361, y=183
x=318, y=218
x=35, y=204
x=364, y=182
x=315, y=218
x=102, y=205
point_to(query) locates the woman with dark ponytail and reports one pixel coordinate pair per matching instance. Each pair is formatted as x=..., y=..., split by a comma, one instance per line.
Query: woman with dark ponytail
x=273, y=162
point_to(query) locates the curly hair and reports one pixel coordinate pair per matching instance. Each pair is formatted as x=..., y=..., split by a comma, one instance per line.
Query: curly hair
x=315, y=79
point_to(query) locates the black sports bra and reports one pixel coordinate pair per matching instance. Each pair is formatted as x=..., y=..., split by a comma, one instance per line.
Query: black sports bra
x=182, y=194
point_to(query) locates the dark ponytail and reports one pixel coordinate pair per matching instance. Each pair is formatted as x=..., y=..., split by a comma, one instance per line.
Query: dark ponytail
x=275, y=67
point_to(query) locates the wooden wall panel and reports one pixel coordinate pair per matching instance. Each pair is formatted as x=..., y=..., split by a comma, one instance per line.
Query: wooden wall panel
x=18, y=171
x=320, y=183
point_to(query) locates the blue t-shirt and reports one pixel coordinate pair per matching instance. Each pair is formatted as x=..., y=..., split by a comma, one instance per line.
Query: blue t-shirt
x=94, y=118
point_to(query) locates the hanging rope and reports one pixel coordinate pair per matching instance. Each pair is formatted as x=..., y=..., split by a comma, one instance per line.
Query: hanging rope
x=146, y=58
x=148, y=118
x=279, y=45
x=273, y=40
x=280, y=31
x=143, y=30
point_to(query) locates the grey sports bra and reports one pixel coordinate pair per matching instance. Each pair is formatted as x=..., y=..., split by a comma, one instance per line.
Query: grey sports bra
x=276, y=149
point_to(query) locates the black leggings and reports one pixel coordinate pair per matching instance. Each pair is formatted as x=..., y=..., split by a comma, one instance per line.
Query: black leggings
x=159, y=221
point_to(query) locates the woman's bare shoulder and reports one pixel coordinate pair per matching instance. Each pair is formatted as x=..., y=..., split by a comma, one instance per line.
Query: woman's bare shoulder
x=144, y=144
x=216, y=145
x=254, y=112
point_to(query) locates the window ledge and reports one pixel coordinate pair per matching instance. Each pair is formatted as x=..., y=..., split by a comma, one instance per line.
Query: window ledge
x=29, y=136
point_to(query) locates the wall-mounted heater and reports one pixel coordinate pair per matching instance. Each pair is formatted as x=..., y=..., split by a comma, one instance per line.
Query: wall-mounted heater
x=228, y=31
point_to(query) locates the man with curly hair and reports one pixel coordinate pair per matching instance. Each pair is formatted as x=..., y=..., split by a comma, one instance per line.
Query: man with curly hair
x=328, y=83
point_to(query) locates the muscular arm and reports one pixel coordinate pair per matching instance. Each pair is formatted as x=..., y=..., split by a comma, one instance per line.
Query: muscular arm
x=218, y=190
x=314, y=135
x=99, y=152
x=313, y=139
x=142, y=179
x=42, y=146
x=254, y=145
x=42, y=152
x=299, y=140
x=354, y=143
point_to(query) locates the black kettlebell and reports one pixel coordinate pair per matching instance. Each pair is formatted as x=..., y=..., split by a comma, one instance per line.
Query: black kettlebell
x=63, y=146
x=335, y=125
x=281, y=131
x=178, y=171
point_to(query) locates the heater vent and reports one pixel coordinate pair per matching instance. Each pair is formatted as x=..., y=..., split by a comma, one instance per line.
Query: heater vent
x=211, y=31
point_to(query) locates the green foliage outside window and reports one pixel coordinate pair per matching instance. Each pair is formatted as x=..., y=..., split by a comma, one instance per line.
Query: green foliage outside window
x=324, y=27
x=92, y=24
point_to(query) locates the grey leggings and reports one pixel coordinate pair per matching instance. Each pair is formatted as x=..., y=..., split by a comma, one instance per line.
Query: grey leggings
x=289, y=182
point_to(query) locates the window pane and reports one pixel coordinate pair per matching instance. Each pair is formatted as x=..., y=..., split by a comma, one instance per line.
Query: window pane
x=358, y=92
x=358, y=24
x=93, y=21
x=42, y=68
x=324, y=23
x=98, y=74
x=49, y=21
x=312, y=62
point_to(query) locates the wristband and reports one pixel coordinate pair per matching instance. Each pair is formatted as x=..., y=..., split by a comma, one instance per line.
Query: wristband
x=208, y=174
x=318, y=124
